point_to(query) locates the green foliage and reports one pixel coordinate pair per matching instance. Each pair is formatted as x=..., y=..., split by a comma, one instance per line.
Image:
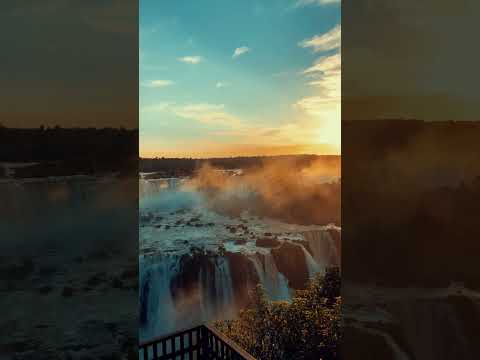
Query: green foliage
x=308, y=327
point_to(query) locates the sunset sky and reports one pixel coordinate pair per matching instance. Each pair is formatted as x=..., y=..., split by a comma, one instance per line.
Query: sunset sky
x=226, y=78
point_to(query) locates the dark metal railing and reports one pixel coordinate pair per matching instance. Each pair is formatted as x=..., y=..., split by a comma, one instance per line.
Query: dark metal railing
x=198, y=343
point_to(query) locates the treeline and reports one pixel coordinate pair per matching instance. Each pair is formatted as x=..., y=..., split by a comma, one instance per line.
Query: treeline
x=66, y=151
x=188, y=165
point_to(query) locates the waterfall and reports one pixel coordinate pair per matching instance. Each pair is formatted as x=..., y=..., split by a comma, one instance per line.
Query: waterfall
x=157, y=308
x=312, y=265
x=215, y=295
x=223, y=287
x=210, y=293
x=258, y=267
x=206, y=306
x=211, y=298
x=322, y=246
x=278, y=285
x=274, y=282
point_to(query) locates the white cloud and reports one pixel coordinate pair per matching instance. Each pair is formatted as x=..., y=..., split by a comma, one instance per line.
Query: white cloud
x=328, y=41
x=325, y=76
x=325, y=64
x=220, y=84
x=302, y=3
x=191, y=59
x=240, y=51
x=158, y=83
x=207, y=114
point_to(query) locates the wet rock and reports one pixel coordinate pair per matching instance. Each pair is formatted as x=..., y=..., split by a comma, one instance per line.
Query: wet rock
x=305, y=244
x=267, y=242
x=290, y=261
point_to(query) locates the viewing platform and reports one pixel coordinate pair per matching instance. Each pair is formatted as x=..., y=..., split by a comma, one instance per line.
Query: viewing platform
x=198, y=343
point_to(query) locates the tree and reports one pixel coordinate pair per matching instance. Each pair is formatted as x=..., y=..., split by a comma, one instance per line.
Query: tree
x=308, y=327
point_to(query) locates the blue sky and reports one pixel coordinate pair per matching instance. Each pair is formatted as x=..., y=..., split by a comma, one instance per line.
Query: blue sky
x=223, y=78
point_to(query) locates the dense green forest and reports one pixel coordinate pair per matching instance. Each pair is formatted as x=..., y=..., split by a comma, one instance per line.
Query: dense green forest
x=308, y=327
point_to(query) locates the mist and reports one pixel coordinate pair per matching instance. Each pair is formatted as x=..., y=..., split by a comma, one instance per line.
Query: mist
x=279, y=189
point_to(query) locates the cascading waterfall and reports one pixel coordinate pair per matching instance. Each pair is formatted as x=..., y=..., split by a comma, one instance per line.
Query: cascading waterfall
x=157, y=308
x=223, y=286
x=215, y=290
x=258, y=267
x=312, y=265
x=323, y=246
x=189, y=288
x=274, y=282
x=214, y=297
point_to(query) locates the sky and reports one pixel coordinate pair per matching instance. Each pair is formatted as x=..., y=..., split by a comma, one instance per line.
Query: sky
x=71, y=63
x=411, y=59
x=227, y=78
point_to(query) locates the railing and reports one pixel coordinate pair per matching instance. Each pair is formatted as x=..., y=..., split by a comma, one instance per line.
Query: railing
x=198, y=343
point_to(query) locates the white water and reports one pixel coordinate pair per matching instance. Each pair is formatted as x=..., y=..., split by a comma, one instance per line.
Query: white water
x=164, y=205
x=312, y=266
x=273, y=281
x=159, y=305
x=322, y=246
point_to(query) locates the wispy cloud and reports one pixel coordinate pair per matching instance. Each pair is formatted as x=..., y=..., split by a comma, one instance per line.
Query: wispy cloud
x=325, y=65
x=191, y=59
x=205, y=113
x=163, y=106
x=158, y=83
x=221, y=84
x=325, y=76
x=329, y=41
x=302, y=3
x=240, y=51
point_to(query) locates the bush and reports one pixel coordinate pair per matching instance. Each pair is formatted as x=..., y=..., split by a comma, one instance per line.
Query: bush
x=308, y=327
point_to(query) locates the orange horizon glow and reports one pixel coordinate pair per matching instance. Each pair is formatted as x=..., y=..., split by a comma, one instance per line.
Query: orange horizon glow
x=243, y=151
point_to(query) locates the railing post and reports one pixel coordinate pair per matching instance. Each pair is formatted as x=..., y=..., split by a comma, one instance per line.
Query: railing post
x=204, y=341
x=210, y=344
